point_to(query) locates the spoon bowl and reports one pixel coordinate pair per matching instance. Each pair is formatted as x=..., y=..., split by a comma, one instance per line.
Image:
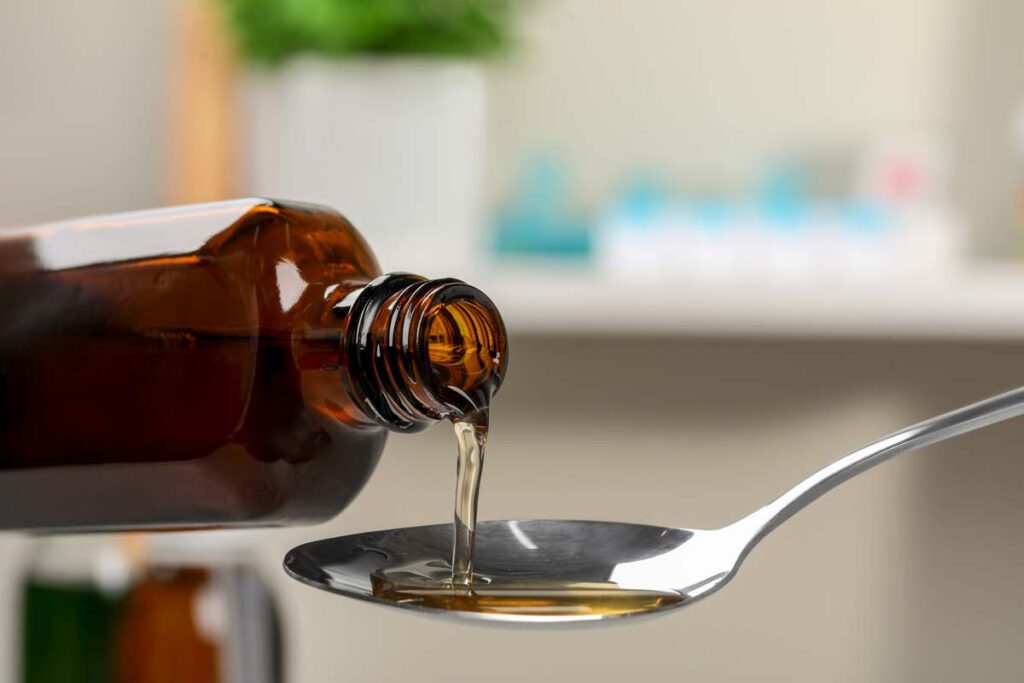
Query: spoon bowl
x=612, y=570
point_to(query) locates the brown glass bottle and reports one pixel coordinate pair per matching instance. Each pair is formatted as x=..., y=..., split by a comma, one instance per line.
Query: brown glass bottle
x=222, y=364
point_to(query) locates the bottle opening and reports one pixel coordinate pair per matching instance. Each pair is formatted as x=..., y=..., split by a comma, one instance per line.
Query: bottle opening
x=424, y=350
x=465, y=349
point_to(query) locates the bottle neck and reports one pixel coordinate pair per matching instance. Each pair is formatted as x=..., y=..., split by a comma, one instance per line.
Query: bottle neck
x=417, y=351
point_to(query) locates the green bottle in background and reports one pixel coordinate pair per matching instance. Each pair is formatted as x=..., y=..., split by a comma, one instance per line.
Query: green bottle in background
x=71, y=604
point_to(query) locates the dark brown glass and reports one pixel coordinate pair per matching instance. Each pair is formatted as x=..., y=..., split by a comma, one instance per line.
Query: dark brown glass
x=222, y=364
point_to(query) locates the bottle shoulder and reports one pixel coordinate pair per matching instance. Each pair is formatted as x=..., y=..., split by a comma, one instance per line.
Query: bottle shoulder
x=317, y=240
x=320, y=244
x=122, y=237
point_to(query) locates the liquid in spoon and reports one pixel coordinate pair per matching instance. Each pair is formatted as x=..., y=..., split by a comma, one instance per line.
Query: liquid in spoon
x=424, y=584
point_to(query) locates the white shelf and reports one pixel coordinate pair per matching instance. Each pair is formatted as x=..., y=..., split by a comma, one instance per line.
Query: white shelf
x=978, y=304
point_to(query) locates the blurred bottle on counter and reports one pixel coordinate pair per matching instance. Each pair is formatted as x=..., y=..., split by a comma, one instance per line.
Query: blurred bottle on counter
x=200, y=613
x=71, y=605
x=180, y=608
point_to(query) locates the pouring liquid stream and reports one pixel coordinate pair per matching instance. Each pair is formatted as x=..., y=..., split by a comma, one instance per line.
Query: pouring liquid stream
x=471, y=436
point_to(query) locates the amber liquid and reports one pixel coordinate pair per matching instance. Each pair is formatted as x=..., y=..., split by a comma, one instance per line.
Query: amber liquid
x=196, y=387
x=426, y=584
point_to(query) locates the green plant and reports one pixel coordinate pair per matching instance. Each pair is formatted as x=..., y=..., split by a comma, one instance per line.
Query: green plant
x=271, y=31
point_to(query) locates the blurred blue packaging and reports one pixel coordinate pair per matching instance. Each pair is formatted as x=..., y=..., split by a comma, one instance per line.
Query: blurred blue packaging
x=633, y=229
x=540, y=220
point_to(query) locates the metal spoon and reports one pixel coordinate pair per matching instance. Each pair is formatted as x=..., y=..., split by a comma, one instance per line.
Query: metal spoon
x=684, y=563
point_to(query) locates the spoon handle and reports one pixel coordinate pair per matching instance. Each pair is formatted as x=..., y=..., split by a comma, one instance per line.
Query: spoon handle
x=960, y=421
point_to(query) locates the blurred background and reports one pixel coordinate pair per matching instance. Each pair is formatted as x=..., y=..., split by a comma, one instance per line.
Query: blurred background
x=732, y=240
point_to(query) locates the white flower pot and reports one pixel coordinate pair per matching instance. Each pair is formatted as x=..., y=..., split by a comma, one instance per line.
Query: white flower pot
x=396, y=145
